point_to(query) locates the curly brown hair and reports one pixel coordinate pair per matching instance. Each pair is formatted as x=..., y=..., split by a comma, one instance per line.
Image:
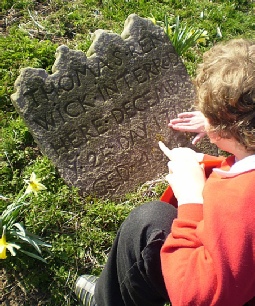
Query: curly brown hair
x=225, y=86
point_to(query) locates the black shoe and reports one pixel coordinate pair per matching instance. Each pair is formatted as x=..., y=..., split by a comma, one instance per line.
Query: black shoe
x=84, y=289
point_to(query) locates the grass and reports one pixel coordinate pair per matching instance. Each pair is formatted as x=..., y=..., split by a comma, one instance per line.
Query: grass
x=80, y=230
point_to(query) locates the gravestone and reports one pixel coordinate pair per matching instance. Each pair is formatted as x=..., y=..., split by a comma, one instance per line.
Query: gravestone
x=99, y=116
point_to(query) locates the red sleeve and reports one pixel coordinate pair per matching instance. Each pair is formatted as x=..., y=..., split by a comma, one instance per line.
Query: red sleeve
x=168, y=197
x=209, y=257
x=215, y=159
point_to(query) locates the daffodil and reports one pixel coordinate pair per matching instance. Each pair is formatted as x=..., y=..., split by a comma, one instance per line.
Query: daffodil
x=191, y=33
x=34, y=184
x=168, y=30
x=153, y=19
x=7, y=246
x=203, y=37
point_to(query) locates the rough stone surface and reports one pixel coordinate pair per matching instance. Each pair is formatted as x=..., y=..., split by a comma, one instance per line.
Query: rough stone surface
x=99, y=117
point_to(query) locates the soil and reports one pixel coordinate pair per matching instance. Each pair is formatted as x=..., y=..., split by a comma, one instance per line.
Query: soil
x=13, y=293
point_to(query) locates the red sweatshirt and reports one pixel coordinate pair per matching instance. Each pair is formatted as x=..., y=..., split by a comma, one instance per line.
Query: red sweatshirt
x=209, y=257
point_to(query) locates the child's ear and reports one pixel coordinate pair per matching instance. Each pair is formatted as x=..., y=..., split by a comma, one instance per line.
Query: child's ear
x=207, y=124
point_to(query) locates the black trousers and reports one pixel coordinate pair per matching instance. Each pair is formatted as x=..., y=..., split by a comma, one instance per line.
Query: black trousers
x=132, y=274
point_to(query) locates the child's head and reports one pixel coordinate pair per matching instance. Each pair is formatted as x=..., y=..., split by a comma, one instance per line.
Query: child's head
x=226, y=90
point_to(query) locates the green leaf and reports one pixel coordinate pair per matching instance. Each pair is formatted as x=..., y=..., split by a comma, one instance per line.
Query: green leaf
x=37, y=239
x=21, y=228
x=182, y=37
x=30, y=241
x=33, y=255
x=12, y=211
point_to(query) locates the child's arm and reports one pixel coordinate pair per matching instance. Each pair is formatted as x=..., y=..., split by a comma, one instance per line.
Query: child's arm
x=211, y=261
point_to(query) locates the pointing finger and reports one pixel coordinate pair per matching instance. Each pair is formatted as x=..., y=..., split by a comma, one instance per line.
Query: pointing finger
x=165, y=149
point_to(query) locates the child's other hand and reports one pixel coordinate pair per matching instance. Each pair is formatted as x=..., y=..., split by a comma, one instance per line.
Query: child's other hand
x=190, y=122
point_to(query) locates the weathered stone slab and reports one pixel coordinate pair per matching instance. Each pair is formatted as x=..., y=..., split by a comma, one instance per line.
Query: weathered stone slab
x=99, y=117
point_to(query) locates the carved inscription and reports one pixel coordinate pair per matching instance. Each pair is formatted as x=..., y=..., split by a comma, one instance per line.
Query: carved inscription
x=99, y=118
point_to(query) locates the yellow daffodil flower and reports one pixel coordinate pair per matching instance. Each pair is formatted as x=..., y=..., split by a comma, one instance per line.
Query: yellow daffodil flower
x=153, y=19
x=203, y=37
x=168, y=30
x=9, y=246
x=34, y=184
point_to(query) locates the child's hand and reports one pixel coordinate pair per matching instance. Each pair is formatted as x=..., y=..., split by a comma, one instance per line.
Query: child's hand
x=180, y=153
x=190, y=122
x=186, y=176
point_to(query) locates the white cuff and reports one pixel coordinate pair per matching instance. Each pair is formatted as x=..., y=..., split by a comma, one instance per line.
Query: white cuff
x=190, y=200
x=200, y=157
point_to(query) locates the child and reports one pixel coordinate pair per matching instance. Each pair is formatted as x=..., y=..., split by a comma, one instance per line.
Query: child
x=202, y=253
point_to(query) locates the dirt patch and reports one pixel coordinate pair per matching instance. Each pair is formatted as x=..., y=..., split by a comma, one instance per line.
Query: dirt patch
x=13, y=293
